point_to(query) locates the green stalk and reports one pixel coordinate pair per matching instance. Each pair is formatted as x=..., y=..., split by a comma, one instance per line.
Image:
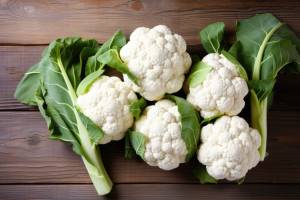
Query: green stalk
x=94, y=165
x=91, y=158
x=259, y=121
x=259, y=108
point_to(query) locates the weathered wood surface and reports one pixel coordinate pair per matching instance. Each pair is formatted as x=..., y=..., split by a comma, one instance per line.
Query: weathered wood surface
x=34, y=167
x=154, y=191
x=38, y=22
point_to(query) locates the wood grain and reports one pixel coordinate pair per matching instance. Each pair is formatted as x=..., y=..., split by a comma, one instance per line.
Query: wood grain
x=153, y=191
x=39, y=22
x=15, y=60
x=28, y=156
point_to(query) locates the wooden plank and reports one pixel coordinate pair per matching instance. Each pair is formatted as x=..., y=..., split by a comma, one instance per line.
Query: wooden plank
x=153, y=191
x=28, y=156
x=38, y=22
x=15, y=60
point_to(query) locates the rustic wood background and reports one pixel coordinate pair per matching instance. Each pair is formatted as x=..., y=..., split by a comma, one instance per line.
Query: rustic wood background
x=34, y=167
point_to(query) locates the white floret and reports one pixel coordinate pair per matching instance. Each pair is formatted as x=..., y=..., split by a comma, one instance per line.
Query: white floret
x=223, y=90
x=161, y=124
x=158, y=58
x=229, y=148
x=107, y=104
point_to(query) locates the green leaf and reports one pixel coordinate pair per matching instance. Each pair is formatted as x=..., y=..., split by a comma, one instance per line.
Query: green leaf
x=262, y=88
x=242, y=72
x=202, y=175
x=138, y=142
x=234, y=49
x=198, y=73
x=117, y=41
x=136, y=108
x=129, y=151
x=88, y=81
x=94, y=131
x=286, y=33
x=190, y=126
x=266, y=46
x=277, y=55
x=60, y=72
x=211, y=37
x=259, y=120
x=28, y=86
x=253, y=35
x=112, y=59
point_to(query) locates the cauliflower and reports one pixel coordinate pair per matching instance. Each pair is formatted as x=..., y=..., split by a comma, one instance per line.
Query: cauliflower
x=161, y=125
x=158, y=59
x=107, y=104
x=222, y=91
x=229, y=148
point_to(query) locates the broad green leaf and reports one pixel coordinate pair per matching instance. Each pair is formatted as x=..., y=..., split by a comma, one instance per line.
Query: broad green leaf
x=277, y=55
x=190, y=125
x=28, y=86
x=55, y=123
x=56, y=99
x=242, y=72
x=253, y=35
x=266, y=47
x=211, y=37
x=202, y=175
x=136, y=108
x=138, y=142
x=117, y=41
x=198, y=73
x=262, y=88
x=284, y=32
x=112, y=59
x=234, y=49
x=88, y=81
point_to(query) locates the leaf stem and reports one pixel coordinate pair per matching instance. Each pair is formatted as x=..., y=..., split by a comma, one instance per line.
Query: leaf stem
x=259, y=121
x=257, y=63
x=91, y=157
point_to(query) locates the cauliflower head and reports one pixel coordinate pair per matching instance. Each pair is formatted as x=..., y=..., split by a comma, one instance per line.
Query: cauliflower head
x=229, y=148
x=107, y=104
x=161, y=125
x=158, y=58
x=222, y=91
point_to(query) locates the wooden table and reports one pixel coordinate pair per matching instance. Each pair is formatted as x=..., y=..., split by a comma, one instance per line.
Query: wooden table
x=34, y=167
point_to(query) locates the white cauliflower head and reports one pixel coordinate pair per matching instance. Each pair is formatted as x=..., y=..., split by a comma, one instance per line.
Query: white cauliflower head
x=158, y=58
x=161, y=125
x=229, y=148
x=107, y=104
x=222, y=91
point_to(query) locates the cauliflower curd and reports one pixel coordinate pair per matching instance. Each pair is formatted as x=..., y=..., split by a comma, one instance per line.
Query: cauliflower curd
x=158, y=58
x=229, y=148
x=222, y=91
x=107, y=104
x=161, y=125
